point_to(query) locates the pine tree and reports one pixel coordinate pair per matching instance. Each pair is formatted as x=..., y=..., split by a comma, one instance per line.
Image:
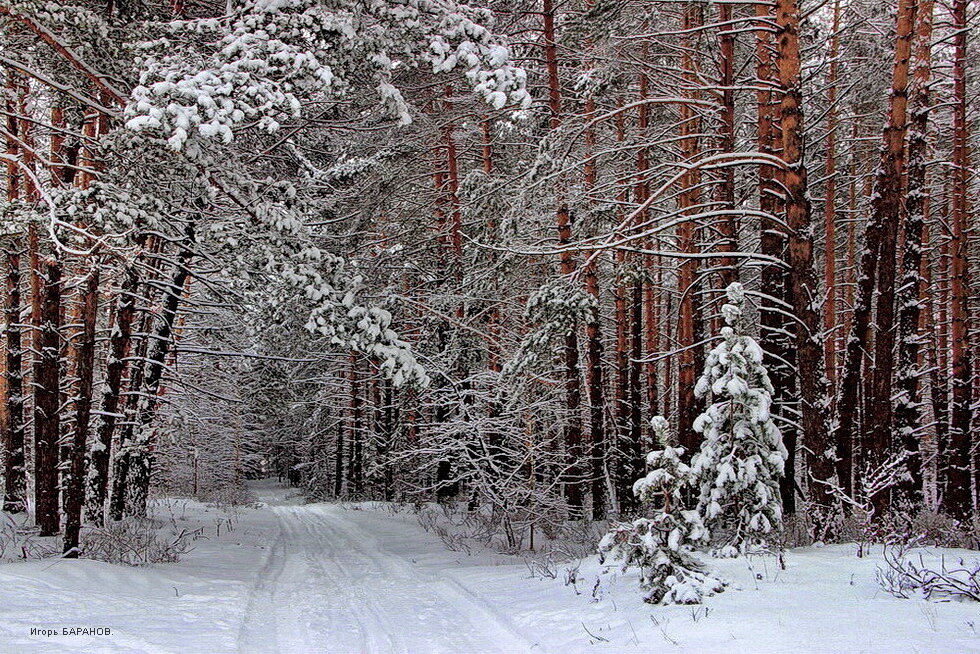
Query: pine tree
x=742, y=455
x=660, y=544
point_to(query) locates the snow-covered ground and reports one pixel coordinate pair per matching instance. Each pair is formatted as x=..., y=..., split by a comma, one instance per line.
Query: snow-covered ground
x=330, y=578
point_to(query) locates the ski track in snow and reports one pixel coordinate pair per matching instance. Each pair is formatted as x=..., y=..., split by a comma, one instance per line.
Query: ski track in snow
x=361, y=578
x=332, y=587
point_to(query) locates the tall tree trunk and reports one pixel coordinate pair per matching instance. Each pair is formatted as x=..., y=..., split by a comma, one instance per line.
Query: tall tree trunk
x=887, y=206
x=959, y=492
x=573, y=478
x=142, y=438
x=830, y=208
x=47, y=388
x=338, y=461
x=877, y=269
x=775, y=328
x=728, y=229
x=85, y=372
x=939, y=377
x=593, y=330
x=597, y=401
x=907, y=413
x=802, y=278
x=690, y=196
x=120, y=343
x=355, y=471
x=137, y=441
x=649, y=306
x=15, y=482
x=627, y=451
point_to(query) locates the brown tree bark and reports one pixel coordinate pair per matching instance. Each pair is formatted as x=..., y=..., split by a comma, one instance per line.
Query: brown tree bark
x=597, y=401
x=627, y=448
x=47, y=387
x=687, y=274
x=120, y=343
x=907, y=413
x=804, y=289
x=595, y=375
x=725, y=194
x=877, y=270
x=887, y=207
x=15, y=482
x=85, y=372
x=138, y=437
x=775, y=328
x=959, y=491
x=573, y=477
x=134, y=460
x=830, y=207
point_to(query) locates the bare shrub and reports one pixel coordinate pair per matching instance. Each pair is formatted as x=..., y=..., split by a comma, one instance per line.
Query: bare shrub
x=427, y=518
x=543, y=566
x=229, y=496
x=907, y=576
x=797, y=531
x=454, y=541
x=20, y=541
x=137, y=542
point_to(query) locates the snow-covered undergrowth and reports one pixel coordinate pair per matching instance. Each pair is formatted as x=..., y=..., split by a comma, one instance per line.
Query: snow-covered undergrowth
x=174, y=528
x=367, y=577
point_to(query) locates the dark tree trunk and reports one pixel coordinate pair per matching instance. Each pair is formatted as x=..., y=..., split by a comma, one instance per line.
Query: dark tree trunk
x=597, y=402
x=85, y=372
x=907, y=414
x=355, y=471
x=959, y=490
x=137, y=442
x=687, y=275
x=120, y=343
x=15, y=482
x=886, y=206
x=47, y=392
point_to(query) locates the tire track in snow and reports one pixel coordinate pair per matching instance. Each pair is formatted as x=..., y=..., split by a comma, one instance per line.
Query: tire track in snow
x=348, y=595
x=328, y=585
x=258, y=631
x=442, y=594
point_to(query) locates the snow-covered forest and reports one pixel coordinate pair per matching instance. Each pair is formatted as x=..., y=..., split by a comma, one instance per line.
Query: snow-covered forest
x=671, y=292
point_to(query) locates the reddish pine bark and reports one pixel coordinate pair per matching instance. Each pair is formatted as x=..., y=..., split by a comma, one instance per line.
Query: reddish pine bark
x=689, y=197
x=907, y=414
x=830, y=208
x=959, y=491
x=85, y=372
x=573, y=476
x=775, y=329
x=802, y=278
x=725, y=197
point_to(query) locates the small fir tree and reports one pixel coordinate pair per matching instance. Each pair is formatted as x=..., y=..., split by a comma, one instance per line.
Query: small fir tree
x=659, y=545
x=742, y=455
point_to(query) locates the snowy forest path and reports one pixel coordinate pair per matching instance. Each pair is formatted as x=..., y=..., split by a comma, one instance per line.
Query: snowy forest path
x=328, y=584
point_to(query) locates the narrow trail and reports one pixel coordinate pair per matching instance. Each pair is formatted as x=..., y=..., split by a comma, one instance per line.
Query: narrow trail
x=287, y=578
x=328, y=585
